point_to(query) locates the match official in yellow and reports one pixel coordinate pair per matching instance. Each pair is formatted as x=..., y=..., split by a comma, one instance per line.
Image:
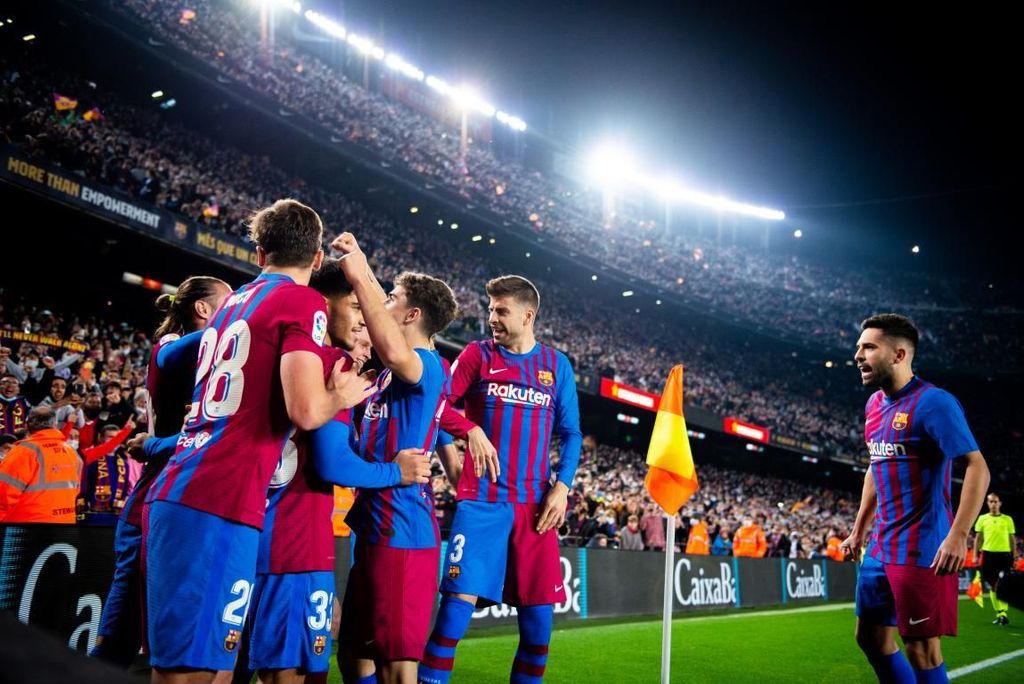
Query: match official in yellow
x=997, y=541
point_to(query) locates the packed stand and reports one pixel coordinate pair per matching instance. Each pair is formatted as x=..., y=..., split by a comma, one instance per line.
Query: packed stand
x=780, y=293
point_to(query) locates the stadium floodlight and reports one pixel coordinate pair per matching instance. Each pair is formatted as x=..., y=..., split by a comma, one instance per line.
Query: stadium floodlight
x=658, y=302
x=438, y=84
x=157, y=94
x=29, y=38
x=516, y=124
x=364, y=45
x=329, y=26
x=724, y=204
x=455, y=226
x=440, y=222
x=398, y=64
x=491, y=241
x=413, y=210
x=593, y=277
x=467, y=98
x=627, y=293
x=477, y=238
x=915, y=249
x=610, y=164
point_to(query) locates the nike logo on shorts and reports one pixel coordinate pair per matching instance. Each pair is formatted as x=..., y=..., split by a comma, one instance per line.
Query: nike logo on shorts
x=917, y=622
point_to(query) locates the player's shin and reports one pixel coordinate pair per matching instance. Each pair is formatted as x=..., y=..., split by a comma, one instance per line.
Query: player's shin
x=439, y=656
x=534, y=637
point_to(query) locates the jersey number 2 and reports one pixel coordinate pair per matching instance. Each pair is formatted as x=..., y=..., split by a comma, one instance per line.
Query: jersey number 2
x=224, y=356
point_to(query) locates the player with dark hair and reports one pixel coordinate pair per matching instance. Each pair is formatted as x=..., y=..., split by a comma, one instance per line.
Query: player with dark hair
x=503, y=546
x=908, y=578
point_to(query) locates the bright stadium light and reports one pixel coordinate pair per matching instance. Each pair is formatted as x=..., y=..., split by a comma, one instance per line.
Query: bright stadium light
x=398, y=64
x=627, y=293
x=467, y=98
x=477, y=238
x=438, y=84
x=157, y=94
x=29, y=38
x=329, y=26
x=610, y=164
x=413, y=210
x=915, y=249
x=798, y=233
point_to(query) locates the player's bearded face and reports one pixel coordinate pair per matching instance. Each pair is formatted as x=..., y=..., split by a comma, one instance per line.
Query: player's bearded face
x=507, y=319
x=874, y=357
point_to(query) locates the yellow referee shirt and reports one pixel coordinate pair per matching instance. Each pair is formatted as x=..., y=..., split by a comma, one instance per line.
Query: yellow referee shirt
x=996, y=531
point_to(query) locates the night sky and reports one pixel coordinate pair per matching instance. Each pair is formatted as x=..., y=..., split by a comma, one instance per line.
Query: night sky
x=793, y=107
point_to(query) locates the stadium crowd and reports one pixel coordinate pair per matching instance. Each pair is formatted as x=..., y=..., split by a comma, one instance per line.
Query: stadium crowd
x=140, y=153
x=790, y=296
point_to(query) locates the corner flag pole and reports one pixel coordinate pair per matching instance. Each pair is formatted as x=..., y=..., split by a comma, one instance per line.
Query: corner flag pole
x=666, y=615
x=671, y=480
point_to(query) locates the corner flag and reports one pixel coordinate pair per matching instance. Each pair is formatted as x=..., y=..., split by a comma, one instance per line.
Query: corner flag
x=671, y=479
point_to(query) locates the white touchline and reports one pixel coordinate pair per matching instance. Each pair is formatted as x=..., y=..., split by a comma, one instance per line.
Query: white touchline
x=985, y=664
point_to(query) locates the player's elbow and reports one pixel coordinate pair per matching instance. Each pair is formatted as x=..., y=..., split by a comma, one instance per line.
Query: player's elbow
x=305, y=415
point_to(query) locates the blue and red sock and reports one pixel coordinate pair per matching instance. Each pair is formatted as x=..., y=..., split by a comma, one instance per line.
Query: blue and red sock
x=893, y=668
x=936, y=675
x=439, y=656
x=534, y=637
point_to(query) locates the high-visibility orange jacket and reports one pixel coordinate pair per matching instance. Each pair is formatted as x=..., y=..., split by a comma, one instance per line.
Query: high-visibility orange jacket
x=698, y=543
x=749, y=542
x=39, y=480
x=343, y=498
x=832, y=549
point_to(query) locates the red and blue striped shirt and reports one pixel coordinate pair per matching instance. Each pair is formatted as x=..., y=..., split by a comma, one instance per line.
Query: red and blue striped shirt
x=912, y=438
x=519, y=400
x=400, y=416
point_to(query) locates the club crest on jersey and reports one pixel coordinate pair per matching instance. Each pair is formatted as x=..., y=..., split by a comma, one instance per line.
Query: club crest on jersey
x=899, y=421
x=319, y=644
x=546, y=378
x=231, y=640
x=319, y=327
x=454, y=571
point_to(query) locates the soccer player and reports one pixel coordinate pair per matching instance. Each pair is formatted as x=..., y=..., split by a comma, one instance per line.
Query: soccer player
x=293, y=598
x=503, y=544
x=259, y=377
x=392, y=585
x=908, y=578
x=171, y=376
x=998, y=541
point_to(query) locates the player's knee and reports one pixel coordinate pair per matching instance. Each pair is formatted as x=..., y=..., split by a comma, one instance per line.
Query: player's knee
x=924, y=654
x=874, y=640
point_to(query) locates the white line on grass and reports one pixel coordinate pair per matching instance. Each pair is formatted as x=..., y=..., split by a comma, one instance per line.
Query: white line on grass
x=985, y=664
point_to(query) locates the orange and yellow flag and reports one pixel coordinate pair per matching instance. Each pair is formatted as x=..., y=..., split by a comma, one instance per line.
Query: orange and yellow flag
x=671, y=479
x=974, y=590
x=62, y=103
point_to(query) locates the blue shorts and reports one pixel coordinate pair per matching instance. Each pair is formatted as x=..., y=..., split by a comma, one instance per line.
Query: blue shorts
x=495, y=554
x=121, y=624
x=875, y=602
x=291, y=621
x=200, y=570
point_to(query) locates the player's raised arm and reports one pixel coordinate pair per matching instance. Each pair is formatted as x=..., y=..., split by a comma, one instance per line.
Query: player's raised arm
x=388, y=341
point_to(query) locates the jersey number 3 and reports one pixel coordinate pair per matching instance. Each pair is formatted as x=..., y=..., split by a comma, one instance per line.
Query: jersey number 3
x=221, y=356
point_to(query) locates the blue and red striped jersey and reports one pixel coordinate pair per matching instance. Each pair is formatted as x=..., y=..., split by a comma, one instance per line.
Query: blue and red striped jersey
x=400, y=416
x=519, y=400
x=912, y=438
x=234, y=436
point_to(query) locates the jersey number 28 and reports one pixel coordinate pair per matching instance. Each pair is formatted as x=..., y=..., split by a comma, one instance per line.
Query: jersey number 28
x=222, y=356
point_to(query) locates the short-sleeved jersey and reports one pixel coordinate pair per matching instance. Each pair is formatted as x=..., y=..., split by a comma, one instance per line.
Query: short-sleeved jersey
x=237, y=430
x=996, y=531
x=400, y=416
x=912, y=438
x=518, y=400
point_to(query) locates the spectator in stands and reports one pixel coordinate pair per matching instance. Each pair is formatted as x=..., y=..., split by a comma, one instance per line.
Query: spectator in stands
x=832, y=549
x=105, y=482
x=14, y=406
x=630, y=538
x=115, y=408
x=653, y=527
x=722, y=546
x=40, y=477
x=749, y=540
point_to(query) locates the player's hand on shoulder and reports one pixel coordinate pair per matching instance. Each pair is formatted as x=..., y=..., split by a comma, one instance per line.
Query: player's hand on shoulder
x=485, y=456
x=414, y=465
x=349, y=386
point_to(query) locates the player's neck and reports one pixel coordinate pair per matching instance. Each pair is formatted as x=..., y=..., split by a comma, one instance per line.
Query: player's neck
x=300, y=275
x=416, y=339
x=899, y=381
x=524, y=344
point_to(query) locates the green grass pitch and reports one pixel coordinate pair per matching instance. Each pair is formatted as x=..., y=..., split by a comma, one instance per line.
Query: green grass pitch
x=776, y=646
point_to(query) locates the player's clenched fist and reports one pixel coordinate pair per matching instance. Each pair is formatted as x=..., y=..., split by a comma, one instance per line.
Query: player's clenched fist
x=414, y=465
